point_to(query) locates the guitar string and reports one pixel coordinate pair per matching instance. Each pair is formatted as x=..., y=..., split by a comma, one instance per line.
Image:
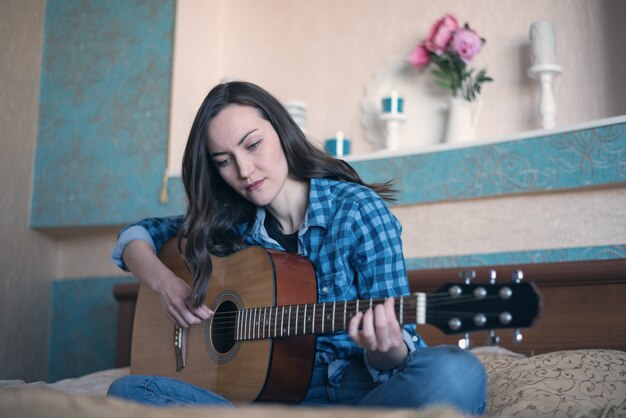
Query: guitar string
x=256, y=327
x=450, y=301
x=232, y=315
x=229, y=332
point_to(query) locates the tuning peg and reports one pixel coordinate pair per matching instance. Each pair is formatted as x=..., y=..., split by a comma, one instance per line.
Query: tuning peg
x=493, y=339
x=465, y=343
x=517, y=336
x=518, y=276
x=492, y=277
x=467, y=275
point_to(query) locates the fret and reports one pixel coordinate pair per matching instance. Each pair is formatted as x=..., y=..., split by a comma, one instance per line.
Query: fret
x=370, y=303
x=238, y=330
x=313, y=324
x=304, y=322
x=357, y=307
x=282, y=321
x=401, y=310
x=242, y=325
x=295, y=328
x=333, y=327
x=289, y=322
x=258, y=324
x=264, y=320
x=323, y=315
x=245, y=324
x=269, y=324
x=345, y=308
x=275, y=321
x=249, y=324
x=254, y=324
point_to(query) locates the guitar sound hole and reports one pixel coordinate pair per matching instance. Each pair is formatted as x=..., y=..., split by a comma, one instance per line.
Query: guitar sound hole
x=223, y=329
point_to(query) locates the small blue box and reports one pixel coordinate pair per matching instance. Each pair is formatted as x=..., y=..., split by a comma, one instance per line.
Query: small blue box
x=331, y=147
x=387, y=105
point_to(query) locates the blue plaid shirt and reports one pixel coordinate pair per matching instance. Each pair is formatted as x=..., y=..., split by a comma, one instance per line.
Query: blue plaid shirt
x=353, y=241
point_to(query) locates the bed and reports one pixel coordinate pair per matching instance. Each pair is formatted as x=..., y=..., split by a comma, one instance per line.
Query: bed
x=571, y=363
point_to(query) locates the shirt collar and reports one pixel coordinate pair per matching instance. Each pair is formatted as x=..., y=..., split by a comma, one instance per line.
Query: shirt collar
x=320, y=203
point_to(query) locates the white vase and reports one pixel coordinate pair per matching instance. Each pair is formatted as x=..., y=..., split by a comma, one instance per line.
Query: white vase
x=462, y=119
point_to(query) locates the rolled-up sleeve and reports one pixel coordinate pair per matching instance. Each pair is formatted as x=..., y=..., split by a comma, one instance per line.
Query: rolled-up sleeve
x=154, y=231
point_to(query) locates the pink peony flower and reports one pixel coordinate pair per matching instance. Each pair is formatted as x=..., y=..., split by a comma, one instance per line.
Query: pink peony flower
x=466, y=43
x=449, y=48
x=441, y=34
x=419, y=57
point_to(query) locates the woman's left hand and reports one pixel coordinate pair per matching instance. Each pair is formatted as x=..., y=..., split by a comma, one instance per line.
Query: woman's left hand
x=379, y=332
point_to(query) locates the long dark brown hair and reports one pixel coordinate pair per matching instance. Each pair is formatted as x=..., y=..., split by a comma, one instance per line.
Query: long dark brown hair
x=215, y=212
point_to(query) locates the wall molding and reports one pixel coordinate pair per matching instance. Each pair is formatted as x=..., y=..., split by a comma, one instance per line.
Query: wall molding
x=555, y=255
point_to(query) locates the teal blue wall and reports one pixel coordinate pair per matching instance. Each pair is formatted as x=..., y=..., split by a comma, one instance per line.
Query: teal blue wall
x=103, y=112
x=83, y=329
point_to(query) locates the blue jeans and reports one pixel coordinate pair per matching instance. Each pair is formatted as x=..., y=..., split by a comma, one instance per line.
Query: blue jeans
x=444, y=375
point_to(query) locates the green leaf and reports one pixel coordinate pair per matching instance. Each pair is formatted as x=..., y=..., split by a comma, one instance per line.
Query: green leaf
x=443, y=84
x=439, y=73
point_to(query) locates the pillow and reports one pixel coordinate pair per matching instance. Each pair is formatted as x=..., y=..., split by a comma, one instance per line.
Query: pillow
x=581, y=383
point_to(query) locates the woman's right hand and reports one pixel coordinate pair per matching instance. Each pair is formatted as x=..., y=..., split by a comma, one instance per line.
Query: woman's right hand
x=141, y=260
x=174, y=294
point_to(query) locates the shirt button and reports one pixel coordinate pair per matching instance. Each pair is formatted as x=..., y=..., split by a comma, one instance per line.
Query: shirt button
x=414, y=338
x=325, y=289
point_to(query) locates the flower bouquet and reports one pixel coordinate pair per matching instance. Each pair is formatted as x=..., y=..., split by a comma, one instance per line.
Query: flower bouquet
x=450, y=48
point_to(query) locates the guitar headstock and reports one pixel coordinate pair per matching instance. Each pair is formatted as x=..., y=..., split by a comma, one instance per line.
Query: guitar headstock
x=467, y=307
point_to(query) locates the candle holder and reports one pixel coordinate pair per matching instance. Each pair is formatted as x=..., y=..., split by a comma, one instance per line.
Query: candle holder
x=393, y=117
x=546, y=73
x=393, y=124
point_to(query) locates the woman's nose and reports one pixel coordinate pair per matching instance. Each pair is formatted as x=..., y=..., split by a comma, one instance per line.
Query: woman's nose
x=246, y=168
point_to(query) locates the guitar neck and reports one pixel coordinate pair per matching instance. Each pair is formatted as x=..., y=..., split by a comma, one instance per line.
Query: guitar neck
x=319, y=318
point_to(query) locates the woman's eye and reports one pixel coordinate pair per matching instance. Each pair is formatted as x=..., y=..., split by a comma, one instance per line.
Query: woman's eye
x=254, y=146
x=222, y=163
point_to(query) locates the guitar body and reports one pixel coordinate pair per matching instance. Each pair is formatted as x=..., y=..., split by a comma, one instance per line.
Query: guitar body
x=241, y=371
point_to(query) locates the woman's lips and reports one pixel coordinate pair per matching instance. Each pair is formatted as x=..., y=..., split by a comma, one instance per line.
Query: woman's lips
x=254, y=186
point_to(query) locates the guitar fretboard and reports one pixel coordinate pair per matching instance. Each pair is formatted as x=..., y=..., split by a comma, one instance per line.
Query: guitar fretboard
x=319, y=318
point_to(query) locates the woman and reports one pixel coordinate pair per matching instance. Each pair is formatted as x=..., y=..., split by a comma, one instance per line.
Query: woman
x=252, y=178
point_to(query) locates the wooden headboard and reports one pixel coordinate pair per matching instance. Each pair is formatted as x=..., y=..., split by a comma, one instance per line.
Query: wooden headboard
x=584, y=306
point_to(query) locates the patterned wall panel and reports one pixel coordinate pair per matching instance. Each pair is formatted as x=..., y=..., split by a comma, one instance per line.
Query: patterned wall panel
x=568, y=160
x=607, y=252
x=104, y=111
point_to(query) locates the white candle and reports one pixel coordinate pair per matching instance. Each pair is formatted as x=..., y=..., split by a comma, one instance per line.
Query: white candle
x=339, y=138
x=394, y=102
x=542, y=43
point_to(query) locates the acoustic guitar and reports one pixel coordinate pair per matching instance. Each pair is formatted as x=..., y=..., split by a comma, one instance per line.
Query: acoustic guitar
x=260, y=344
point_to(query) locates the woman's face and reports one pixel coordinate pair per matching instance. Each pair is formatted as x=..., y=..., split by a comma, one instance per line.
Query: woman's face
x=247, y=153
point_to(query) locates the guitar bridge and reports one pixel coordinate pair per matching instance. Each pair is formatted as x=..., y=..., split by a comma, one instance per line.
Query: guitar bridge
x=180, y=347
